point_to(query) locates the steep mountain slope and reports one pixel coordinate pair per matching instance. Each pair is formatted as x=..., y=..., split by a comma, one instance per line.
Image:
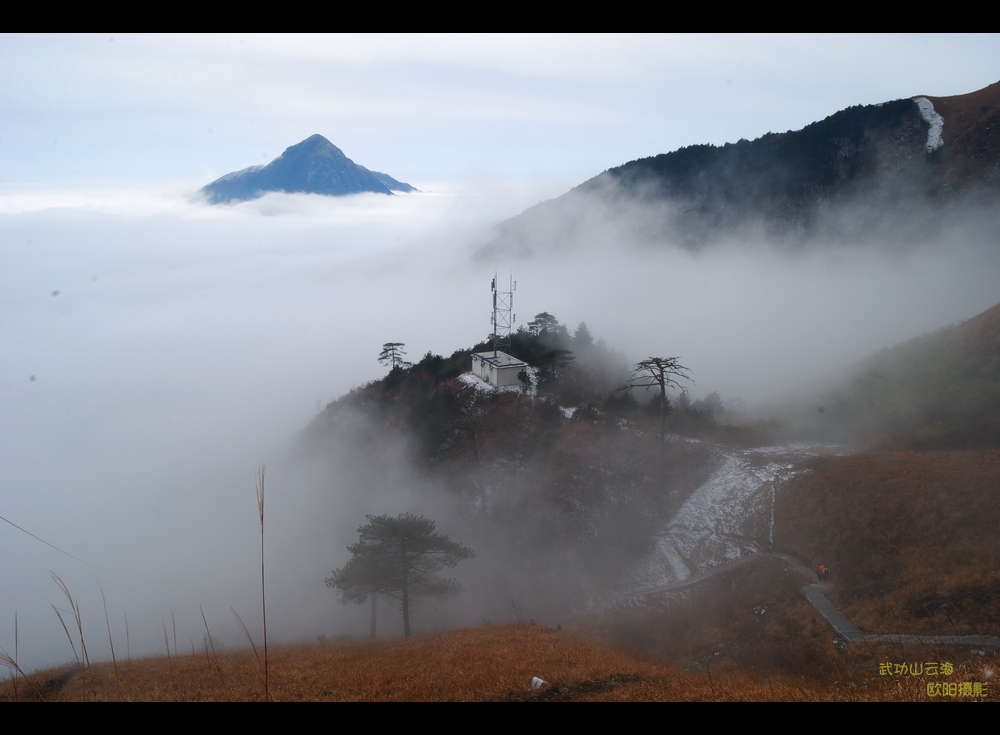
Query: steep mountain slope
x=314, y=166
x=840, y=177
x=555, y=507
x=938, y=390
x=911, y=537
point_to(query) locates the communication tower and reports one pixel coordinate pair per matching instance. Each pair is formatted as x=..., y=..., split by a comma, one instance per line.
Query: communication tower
x=503, y=314
x=498, y=367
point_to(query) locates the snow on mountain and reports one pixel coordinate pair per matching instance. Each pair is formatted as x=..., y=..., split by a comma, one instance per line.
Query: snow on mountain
x=934, y=139
x=729, y=517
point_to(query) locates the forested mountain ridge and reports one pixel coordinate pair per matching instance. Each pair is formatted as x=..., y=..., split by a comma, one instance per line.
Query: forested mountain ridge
x=844, y=176
x=562, y=503
x=564, y=478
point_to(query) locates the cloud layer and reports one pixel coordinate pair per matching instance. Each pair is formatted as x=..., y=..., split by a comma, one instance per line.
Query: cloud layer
x=155, y=353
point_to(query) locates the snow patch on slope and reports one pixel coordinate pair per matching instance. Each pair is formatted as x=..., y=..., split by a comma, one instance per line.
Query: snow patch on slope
x=730, y=516
x=481, y=385
x=936, y=122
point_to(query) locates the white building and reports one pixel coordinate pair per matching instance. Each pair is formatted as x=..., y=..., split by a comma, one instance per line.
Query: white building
x=497, y=368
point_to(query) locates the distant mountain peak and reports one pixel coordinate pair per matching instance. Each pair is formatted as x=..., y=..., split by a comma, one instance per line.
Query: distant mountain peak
x=317, y=138
x=314, y=166
x=317, y=145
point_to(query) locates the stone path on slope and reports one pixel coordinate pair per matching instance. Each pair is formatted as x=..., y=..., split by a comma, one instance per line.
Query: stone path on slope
x=731, y=516
x=813, y=592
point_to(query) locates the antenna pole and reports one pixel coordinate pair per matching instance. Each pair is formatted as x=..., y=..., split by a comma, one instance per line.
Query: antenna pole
x=503, y=306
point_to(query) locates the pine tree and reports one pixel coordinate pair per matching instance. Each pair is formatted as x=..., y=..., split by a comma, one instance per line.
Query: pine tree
x=392, y=355
x=657, y=372
x=399, y=557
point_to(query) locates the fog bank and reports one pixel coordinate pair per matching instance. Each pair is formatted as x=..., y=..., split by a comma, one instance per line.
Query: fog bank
x=156, y=351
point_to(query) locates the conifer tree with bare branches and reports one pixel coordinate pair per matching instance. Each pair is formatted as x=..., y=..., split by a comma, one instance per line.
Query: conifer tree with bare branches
x=658, y=372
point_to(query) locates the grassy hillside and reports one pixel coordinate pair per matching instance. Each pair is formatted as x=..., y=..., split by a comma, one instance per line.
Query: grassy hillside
x=490, y=664
x=941, y=390
x=913, y=538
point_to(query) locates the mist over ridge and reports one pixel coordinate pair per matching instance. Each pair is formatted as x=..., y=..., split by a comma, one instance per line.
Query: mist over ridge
x=882, y=175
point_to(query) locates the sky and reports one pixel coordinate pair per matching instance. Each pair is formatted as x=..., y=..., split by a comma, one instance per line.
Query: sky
x=430, y=109
x=154, y=351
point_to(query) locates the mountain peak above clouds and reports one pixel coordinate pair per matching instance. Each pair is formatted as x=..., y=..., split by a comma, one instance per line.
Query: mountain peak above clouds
x=314, y=166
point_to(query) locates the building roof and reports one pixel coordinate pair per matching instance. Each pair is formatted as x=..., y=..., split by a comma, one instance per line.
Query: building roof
x=500, y=359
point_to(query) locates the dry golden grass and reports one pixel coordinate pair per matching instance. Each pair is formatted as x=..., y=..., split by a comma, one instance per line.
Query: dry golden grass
x=751, y=621
x=483, y=664
x=912, y=538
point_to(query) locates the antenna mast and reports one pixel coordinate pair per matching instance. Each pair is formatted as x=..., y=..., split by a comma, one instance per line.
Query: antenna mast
x=503, y=316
